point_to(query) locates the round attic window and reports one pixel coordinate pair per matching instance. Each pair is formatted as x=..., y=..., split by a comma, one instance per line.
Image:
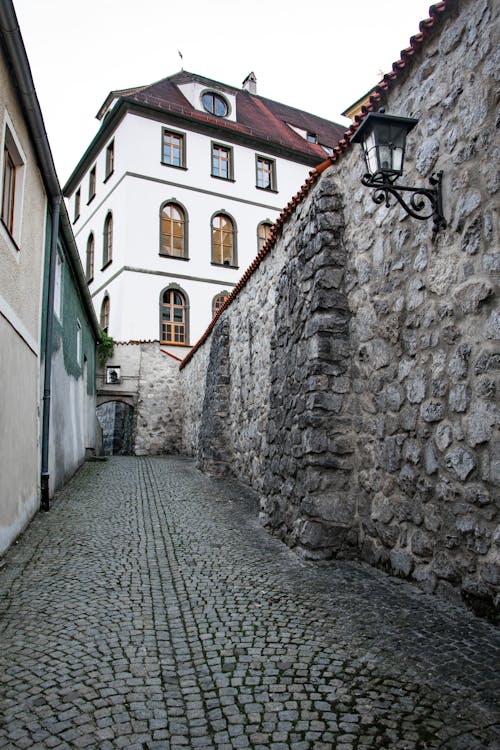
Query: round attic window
x=215, y=104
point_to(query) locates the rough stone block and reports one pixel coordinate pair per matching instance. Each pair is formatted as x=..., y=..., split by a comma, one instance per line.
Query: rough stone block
x=459, y=398
x=472, y=293
x=317, y=535
x=422, y=544
x=444, y=567
x=443, y=436
x=432, y=411
x=331, y=507
x=401, y=562
x=480, y=422
x=490, y=572
x=461, y=462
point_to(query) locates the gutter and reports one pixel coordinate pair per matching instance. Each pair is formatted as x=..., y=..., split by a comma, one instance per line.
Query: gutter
x=16, y=53
x=45, y=476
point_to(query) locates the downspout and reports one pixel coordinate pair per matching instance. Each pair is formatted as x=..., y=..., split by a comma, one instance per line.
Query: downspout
x=56, y=207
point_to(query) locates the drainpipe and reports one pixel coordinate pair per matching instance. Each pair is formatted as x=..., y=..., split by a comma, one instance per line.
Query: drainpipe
x=56, y=206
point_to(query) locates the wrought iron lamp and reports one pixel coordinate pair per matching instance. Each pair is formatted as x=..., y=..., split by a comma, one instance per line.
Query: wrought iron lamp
x=383, y=140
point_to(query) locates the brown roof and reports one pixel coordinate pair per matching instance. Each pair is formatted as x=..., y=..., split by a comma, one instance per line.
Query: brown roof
x=437, y=13
x=256, y=116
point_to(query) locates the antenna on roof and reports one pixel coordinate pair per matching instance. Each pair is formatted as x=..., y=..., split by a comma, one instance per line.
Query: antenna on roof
x=180, y=55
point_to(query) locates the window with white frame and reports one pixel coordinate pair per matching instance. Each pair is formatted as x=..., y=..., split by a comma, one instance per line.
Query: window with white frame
x=13, y=169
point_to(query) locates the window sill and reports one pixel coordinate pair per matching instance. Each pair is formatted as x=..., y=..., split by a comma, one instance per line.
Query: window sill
x=266, y=190
x=174, y=166
x=173, y=343
x=91, y=199
x=76, y=219
x=108, y=176
x=108, y=263
x=172, y=257
x=223, y=265
x=89, y=281
x=225, y=179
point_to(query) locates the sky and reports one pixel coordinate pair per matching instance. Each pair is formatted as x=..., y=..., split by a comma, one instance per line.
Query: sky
x=317, y=55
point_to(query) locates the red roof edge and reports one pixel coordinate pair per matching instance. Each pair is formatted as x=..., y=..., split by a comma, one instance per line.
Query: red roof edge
x=436, y=14
x=169, y=354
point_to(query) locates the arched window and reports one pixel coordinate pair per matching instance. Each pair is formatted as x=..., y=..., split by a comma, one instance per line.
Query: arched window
x=223, y=240
x=173, y=317
x=90, y=258
x=173, y=235
x=104, y=319
x=218, y=301
x=263, y=233
x=107, y=244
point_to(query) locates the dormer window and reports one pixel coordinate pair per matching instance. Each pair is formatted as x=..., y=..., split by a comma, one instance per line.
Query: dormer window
x=311, y=137
x=215, y=104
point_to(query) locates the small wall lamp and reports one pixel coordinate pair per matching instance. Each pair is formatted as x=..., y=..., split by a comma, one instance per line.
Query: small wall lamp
x=383, y=140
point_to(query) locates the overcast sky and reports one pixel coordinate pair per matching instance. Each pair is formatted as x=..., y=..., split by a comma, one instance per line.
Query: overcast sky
x=317, y=55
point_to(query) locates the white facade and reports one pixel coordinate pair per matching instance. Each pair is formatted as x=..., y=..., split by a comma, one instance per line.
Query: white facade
x=134, y=194
x=21, y=270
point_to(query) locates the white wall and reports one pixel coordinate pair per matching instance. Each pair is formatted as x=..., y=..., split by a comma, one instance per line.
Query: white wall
x=20, y=299
x=135, y=201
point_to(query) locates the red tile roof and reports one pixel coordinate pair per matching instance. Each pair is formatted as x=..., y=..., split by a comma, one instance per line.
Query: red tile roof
x=437, y=13
x=256, y=116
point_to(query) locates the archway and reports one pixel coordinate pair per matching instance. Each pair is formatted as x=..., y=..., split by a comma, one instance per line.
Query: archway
x=117, y=422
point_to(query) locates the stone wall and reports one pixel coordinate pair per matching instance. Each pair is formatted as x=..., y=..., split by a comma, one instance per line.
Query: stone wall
x=425, y=326
x=360, y=359
x=159, y=404
x=149, y=384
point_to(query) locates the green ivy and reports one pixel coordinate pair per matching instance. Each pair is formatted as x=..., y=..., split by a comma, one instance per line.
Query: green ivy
x=105, y=348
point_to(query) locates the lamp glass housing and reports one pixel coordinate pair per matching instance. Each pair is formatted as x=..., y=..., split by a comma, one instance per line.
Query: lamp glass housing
x=383, y=140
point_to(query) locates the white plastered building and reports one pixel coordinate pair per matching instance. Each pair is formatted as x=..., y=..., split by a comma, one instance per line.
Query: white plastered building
x=175, y=195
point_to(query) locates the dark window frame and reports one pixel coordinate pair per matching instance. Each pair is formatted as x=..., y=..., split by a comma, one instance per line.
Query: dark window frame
x=215, y=97
x=90, y=258
x=222, y=147
x=104, y=313
x=182, y=324
x=110, y=160
x=107, y=241
x=176, y=204
x=92, y=183
x=261, y=241
x=78, y=204
x=224, y=264
x=183, y=143
x=218, y=300
x=273, y=186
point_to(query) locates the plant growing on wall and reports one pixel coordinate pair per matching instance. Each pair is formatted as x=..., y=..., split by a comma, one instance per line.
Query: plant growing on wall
x=105, y=348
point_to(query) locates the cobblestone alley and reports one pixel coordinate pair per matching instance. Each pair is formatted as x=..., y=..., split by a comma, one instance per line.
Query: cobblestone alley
x=148, y=610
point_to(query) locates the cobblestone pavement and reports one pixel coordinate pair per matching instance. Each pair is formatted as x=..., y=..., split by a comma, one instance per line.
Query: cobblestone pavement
x=148, y=610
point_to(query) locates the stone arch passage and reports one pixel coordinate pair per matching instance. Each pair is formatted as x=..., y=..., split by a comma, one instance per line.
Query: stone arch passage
x=116, y=419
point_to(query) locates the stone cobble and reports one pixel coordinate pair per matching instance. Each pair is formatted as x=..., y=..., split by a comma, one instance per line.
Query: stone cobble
x=148, y=610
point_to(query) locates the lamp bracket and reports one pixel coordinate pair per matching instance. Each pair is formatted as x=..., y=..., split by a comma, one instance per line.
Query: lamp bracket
x=424, y=203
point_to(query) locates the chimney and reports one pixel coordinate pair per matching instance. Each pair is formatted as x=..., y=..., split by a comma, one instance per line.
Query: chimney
x=250, y=83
